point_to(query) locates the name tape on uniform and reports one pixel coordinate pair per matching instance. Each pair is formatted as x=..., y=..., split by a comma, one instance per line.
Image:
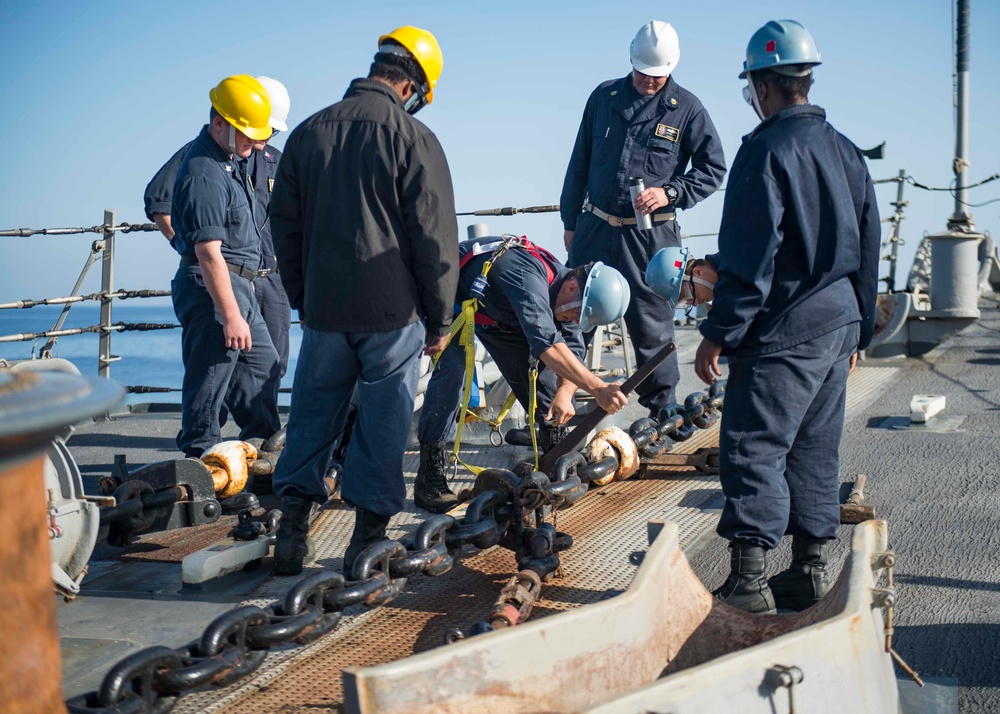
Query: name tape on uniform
x=670, y=133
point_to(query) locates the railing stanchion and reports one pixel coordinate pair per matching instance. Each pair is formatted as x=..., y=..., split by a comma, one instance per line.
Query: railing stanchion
x=107, y=288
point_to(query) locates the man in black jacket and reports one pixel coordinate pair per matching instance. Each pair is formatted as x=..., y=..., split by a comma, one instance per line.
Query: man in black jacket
x=794, y=303
x=363, y=218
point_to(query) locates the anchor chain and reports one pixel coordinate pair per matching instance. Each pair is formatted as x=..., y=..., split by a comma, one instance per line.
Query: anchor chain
x=512, y=512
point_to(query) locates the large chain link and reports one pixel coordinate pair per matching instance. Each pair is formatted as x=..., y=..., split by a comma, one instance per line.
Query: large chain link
x=237, y=642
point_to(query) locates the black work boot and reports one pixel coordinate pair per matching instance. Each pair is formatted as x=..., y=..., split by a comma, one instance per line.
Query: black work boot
x=292, y=545
x=430, y=491
x=746, y=588
x=549, y=436
x=806, y=581
x=519, y=436
x=369, y=528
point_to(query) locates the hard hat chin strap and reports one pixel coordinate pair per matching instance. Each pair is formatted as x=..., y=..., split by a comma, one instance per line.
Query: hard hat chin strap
x=232, y=140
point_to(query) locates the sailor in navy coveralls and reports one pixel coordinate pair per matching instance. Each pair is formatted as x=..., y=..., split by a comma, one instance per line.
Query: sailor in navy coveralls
x=794, y=302
x=227, y=350
x=260, y=170
x=647, y=126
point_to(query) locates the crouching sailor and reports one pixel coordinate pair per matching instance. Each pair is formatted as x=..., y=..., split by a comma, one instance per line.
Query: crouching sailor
x=526, y=307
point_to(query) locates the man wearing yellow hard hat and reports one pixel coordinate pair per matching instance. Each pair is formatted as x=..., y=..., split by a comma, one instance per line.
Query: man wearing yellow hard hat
x=363, y=218
x=260, y=170
x=224, y=340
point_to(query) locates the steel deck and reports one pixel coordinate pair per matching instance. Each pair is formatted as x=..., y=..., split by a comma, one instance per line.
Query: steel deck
x=113, y=617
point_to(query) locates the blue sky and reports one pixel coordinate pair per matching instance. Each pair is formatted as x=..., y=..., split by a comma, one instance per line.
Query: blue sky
x=99, y=94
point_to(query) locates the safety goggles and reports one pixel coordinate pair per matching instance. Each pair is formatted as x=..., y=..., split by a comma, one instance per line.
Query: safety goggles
x=750, y=95
x=418, y=99
x=685, y=301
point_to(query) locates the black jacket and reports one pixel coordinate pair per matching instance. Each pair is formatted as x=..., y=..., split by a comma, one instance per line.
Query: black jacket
x=799, y=238
x=363, y=218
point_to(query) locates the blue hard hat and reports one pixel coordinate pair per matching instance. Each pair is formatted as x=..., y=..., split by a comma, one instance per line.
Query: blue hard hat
x=780, y=43
x=605, y=297
x=665, y=272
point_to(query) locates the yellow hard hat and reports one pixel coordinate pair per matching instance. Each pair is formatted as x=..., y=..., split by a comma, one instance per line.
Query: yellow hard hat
x=243, y=102
x=425, y=50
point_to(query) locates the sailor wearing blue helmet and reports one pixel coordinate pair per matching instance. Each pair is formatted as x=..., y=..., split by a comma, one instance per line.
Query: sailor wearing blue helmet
x=685, y=282
x=794, y=303
x=530, y=307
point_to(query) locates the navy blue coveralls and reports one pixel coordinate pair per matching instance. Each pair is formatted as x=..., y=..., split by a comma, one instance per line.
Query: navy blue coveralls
x=262, y=168
x=520, y=299
x=625, y=134
x=212, y=201
x=795, y=299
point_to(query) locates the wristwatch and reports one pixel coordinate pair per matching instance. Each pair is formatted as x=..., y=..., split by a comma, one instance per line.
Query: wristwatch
x=671, y=193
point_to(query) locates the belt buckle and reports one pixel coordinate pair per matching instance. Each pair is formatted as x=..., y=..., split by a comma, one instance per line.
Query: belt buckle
x=262, y=273
x=615, y=221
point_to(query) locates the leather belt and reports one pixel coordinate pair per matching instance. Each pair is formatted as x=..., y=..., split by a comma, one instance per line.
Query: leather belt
x=250, y=275
x=618, y=222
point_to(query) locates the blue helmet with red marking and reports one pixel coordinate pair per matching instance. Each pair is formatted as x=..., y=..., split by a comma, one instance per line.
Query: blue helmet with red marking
x=665, y=272
x=778, y=44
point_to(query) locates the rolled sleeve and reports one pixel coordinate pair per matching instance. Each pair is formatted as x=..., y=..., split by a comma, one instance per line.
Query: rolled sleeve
x=203, y=206
x=159, y=191
x=528, y=293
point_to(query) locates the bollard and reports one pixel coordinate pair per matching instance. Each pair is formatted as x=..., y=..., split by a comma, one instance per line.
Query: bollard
x=34, y=408
x=954, y=273
x=478, y=230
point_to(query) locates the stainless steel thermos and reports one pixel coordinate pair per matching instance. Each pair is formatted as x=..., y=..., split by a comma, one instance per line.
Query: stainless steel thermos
x=642, y=220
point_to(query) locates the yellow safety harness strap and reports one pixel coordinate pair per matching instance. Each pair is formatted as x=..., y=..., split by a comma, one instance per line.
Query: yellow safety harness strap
x=466, y=339
x=464, y=325
x=532, y=405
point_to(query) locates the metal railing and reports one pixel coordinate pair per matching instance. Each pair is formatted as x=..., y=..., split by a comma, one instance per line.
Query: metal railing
x=105, y=248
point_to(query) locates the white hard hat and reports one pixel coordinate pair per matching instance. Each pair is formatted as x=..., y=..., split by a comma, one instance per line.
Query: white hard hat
x=655, y=50
x=280, y=103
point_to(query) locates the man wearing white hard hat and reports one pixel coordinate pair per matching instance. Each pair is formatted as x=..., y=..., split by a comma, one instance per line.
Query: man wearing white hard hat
x=259, y=171
x=641, y=126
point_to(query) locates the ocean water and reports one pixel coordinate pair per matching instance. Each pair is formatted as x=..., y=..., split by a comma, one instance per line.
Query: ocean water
x=151, y=359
